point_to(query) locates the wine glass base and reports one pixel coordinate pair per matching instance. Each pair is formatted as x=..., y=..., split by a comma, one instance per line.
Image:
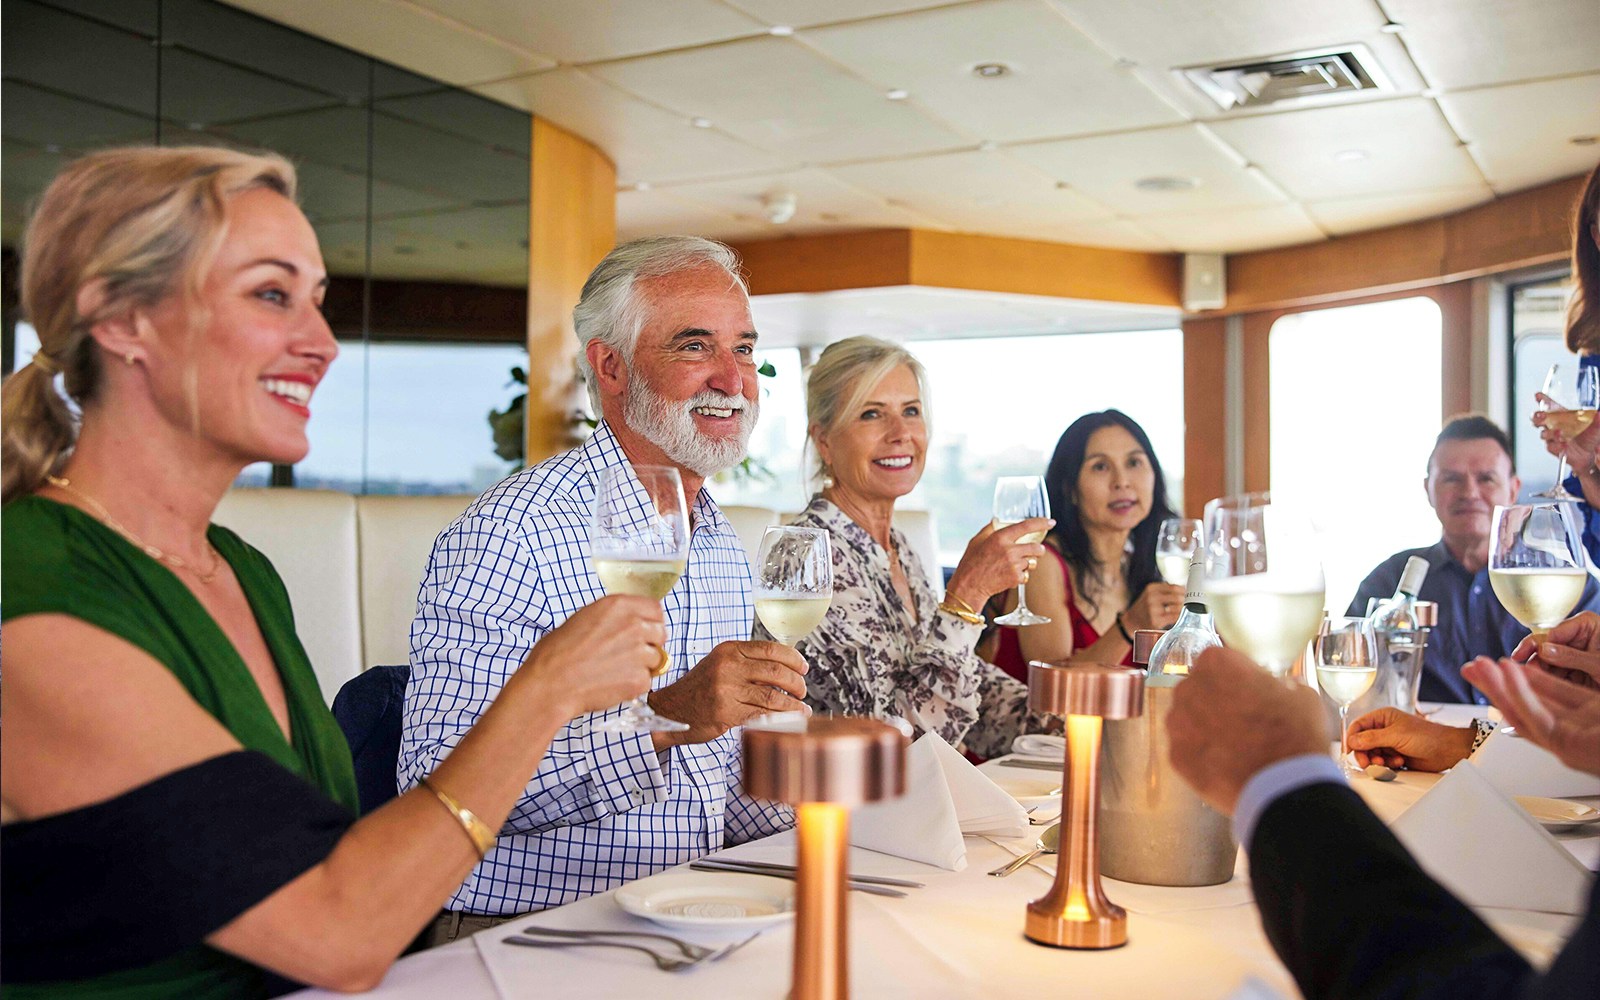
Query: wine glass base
x=1022, y=616
x=1555, y=494
x=636, y=721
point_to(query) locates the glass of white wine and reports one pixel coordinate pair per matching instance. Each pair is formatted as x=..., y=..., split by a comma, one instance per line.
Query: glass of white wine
x=1347, y=663
x=1570, y=406
x=1176, y=544
x=1017, y=498
x=639, y=543
x=1537, y=563
x=794, y=581
x=1263, y=578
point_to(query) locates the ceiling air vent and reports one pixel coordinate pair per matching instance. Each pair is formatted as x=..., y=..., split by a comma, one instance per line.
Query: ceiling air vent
x=1319, y=75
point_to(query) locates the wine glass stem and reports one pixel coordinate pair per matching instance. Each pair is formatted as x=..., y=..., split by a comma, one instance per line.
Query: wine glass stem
x=1022, y=598
x=1344, y=733
x=1561, y=469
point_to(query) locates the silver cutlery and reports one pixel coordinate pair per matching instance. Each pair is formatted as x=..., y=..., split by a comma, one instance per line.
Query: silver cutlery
x=1049, y=843
x=768, y=866
x=1033, y=763
x=690, y=950
x=729, y=866
x=666, y=963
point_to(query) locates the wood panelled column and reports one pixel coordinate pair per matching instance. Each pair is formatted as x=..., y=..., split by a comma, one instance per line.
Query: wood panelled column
x=572, y=224
x=1257, y=388
x=1455, y=347
x=1205, y=416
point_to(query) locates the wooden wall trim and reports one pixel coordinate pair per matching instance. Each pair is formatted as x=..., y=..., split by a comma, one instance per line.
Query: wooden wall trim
x=1520, y=230
x=1258, y=402
x=873, y=258
x=1205, y=418
x=572, y=224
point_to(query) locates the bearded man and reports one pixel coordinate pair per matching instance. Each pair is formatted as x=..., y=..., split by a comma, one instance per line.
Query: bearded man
x=669, y=351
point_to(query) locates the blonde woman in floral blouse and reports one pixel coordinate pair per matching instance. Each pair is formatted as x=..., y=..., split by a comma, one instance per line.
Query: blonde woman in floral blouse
x=889, y=645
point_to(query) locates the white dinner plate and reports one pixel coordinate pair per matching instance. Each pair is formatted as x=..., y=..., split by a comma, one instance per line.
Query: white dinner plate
x=709, y=899
x=1027, y=785
x=1559, y=814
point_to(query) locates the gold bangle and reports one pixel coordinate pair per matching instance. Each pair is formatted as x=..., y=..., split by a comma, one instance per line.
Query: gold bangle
x=477, y=831
x=959, y=604
x=963, y=612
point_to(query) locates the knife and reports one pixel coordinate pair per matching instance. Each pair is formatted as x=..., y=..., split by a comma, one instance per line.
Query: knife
x=789, y=869
x=711, y=866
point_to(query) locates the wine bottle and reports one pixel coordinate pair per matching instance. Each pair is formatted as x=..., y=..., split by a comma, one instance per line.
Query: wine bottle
x=1189, y=636
x=1397, y=635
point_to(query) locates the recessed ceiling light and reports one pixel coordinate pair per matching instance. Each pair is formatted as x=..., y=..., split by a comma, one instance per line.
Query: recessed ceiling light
x=700, y=122
x=897, y=94
x=781, y=30
x=1350, y=155
x=1584, y=140
x=988, y=146
x=1167, y=183
x=1391, y=27
x=991, y=70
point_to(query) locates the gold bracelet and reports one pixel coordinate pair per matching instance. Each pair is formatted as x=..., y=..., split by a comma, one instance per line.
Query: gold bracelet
x=956, y=606
x=477, y=831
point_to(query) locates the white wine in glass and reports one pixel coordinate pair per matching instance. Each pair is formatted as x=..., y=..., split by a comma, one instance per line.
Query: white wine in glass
x=1264, y=581
x=639, y=544
x=1570, y=406
x=794, y=581
x=1537, y=563
x=1347, y=663
x=1017, y=498
x=1176, y=544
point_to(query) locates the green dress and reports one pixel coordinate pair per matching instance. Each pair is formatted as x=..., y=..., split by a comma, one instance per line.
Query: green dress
x=59, y=560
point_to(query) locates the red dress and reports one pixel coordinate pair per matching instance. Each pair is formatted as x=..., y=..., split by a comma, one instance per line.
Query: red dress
x=1008, y=650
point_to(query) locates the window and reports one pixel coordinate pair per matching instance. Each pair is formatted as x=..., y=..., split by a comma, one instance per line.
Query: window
x=1538, y=340
x=1355, y=408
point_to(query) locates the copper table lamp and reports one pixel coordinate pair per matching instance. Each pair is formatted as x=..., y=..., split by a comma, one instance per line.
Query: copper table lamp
x=1075, y=913
x=822, y=766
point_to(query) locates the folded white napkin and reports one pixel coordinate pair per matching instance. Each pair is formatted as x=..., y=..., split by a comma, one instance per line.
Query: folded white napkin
x=1487, y=850
x=1518, y=766
x=1040, y=746
x=946, y=798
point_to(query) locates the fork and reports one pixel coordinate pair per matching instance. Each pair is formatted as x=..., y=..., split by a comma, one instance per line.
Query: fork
x=666, y=963
x=694, y=952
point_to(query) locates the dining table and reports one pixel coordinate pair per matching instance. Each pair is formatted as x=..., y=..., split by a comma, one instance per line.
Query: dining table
x=959, y=935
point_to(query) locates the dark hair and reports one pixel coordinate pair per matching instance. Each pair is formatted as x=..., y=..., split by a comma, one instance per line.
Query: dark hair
x=1061, y=484
x=1469, y=427
x=1583, y=316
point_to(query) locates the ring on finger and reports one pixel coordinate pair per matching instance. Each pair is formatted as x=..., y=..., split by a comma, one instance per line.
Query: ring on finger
x=1024, y=576
x=1033, y=563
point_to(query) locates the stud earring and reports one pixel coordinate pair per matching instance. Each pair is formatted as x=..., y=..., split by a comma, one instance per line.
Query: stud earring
x=826, y=479
x=128, y=359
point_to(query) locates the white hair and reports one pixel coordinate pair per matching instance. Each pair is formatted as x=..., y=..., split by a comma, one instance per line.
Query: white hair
x=610, y=312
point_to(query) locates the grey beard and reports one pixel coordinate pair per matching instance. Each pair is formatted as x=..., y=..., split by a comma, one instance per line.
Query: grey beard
x=670, y=427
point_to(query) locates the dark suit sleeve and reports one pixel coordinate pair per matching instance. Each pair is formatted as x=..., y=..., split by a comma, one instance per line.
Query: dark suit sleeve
x=1352, y=916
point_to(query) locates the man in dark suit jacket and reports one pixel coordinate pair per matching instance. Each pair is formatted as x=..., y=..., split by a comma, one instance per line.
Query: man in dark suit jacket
x=1343, y=903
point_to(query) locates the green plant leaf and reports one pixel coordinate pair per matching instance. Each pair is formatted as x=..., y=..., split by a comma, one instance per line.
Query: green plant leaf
x=766, y=369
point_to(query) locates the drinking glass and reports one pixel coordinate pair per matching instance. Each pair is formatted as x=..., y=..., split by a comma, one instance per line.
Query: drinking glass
x=1347, y=663
x=794, y=581
x=639, y=542
x=1176, y=545
x=1263, y=578
x=1017, y=498
x=1537, y=563
x=1569, y=407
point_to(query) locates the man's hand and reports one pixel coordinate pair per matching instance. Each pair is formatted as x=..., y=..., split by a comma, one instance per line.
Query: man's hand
x=1231, y=718
x=1391, y=737
x=1570, y=651
x=736, y=683
x=1556, y=714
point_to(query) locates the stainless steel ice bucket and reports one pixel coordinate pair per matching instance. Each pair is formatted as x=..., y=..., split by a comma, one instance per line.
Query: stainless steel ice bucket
x=1153, y=829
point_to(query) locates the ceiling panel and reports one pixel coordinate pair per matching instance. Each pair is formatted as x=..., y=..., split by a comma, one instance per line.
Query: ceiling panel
x=1344, y=216
x=1522, y=133
x=1106, y=168
x=821, y=200
x=1237, y=230
x=804, y=107
x=660, y=213
x=1051, y=64
x=1467, y=43
x=645, y=142
x=797, y=13
x=1405, y=143
x=974, y=191
x=575, y=31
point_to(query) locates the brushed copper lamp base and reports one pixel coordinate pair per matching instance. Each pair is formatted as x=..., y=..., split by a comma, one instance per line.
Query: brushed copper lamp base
x=1075, y=913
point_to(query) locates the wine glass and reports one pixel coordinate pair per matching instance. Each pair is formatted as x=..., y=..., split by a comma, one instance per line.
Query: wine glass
x=794, y=581
x=1347, y=663
x=639, y=542
x=1263, y=578
x=1569, y=407
x=1176, y=544
x=1017, y=498
x=1537, y=563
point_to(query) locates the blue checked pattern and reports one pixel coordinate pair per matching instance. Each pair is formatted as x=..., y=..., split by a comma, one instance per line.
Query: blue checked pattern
x=603, y=808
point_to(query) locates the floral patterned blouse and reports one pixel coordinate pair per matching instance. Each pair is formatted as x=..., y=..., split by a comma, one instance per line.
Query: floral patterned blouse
x=868, y=657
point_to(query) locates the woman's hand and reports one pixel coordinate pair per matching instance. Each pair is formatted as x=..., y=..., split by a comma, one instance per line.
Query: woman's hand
x=1557, y=715
x=996, y=561
x=1391, y=737
x=1157, y=607
x=601, y=656
x=1570, y=651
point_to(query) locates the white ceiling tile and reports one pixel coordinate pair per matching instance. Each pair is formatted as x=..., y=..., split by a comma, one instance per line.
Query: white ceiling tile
x=586, y=30
x=967, y=190
x=1406, y=143
x=1343, y=216
x=1521, y=132
x=659, y=213
x=406, y=35
x=1466, y=43
x=1106, y=168
x=799, y=13
x=777, y=95
x=1052, y=66
x=1237, y=230
x=645, y=142
x=821, y=200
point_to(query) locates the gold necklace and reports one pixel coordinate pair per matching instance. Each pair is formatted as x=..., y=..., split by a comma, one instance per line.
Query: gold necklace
x=176, y=562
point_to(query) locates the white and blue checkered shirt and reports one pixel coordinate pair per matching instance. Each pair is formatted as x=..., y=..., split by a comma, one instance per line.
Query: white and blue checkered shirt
x=603, y=808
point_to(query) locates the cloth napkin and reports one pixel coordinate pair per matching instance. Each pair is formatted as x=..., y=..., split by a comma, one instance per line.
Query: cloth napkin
x=1039, y=746
x=1487, y=850
x=1518, y=766
x=946, y=798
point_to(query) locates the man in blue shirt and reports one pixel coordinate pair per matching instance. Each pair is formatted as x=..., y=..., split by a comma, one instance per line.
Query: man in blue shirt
x=1469, y=473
